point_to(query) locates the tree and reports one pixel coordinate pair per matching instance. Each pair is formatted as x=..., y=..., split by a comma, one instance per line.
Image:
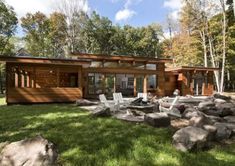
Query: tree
x=224, y=28
x=8, y=24
x=75, y=11
x=57, y=34
x=45, y=36
x=99, y=30
x=36, y=27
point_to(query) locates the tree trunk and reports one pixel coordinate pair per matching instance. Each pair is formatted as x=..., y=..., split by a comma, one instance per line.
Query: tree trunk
x=234, y=7
x=224, y=45
x=203, y=37
x=216, y=73
x=1, y=79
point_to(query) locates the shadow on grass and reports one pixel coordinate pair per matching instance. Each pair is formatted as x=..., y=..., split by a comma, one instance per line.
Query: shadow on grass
x=83, y=140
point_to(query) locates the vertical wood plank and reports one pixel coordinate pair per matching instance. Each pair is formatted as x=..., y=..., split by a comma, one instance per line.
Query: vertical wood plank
x=17, y=78
x=34, y=78
x=27, y=80
x=57, y=77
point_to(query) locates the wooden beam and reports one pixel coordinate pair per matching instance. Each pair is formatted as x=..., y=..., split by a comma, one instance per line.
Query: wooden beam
x=121, y=70
x=119, y=57
x=45, y=61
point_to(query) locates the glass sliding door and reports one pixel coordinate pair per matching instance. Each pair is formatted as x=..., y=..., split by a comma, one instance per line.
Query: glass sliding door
x=95, y=83
x=139, y=84
x=109, y=85
x=125, y=84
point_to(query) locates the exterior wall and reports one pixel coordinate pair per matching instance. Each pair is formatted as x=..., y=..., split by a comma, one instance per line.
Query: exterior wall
x=170, y=83
x=41, y=83
x=209, y=88
x=187, y=83
x=42, y=95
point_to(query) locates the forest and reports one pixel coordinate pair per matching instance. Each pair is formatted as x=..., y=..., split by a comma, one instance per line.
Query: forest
x=204, y=35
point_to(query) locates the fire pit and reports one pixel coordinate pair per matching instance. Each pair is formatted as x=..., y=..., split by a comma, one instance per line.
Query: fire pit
x=141, y=105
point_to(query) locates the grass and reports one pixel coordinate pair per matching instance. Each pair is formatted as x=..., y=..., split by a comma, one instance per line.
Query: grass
x=83, y=140
x=2, y=100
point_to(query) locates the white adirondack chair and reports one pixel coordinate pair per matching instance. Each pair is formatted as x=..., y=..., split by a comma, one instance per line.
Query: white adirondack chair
x=113, y=107
x=118, y=99
x=104, y=100
x=143, y=95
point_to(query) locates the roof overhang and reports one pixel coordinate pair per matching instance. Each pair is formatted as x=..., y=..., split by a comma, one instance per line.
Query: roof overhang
x=39, y=60
x=189, y=68
x=102, y=57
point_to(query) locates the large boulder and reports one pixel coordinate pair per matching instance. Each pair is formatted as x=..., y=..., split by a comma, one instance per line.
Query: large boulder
x=220, y=101
x=84, y=102
x=206, y=104
x=215, y=119
x=230, y=126
x=101, y=111
x=225, y=109
x=200, y=121
x=211, y=130
x=230, y=119
x=157, y=119
x=219, y=96
x=190, y=138
x=191, y=112
x=223, y=132
x=35, y=151
x=208, y=107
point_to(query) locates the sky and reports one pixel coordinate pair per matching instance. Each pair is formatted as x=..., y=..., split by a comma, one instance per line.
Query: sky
x=132, y=12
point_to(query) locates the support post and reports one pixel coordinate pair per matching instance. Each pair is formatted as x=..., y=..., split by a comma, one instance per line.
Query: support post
x=145, y=84
x=135, y=92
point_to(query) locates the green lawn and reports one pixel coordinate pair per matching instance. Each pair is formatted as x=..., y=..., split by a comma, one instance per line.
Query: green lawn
x=83, y=140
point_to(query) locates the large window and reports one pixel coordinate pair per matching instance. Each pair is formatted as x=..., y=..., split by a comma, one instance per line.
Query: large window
x=139, y=84
x=96, y=64
x=151, y=66
x=67, y=79
x=95, y=83
x=139, y=65
x=111, y=64
x=109, y=84
x=152, y=82
x=125, y=84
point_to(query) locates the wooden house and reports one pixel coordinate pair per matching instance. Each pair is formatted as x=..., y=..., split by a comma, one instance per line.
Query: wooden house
x=44, y=80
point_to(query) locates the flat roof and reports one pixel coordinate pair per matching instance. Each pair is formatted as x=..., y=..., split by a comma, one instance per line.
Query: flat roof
x=190, y=68
x=101, y=57
x=43, y=60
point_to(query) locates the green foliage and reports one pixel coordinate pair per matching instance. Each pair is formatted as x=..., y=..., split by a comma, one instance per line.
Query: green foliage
x=45, y=36
x=90, y=34
x=83, y=140
x=57, y=34
x=8, y=23
x=36, y=27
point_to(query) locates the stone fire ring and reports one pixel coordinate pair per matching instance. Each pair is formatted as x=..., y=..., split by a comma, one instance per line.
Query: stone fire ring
x=143, y=108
